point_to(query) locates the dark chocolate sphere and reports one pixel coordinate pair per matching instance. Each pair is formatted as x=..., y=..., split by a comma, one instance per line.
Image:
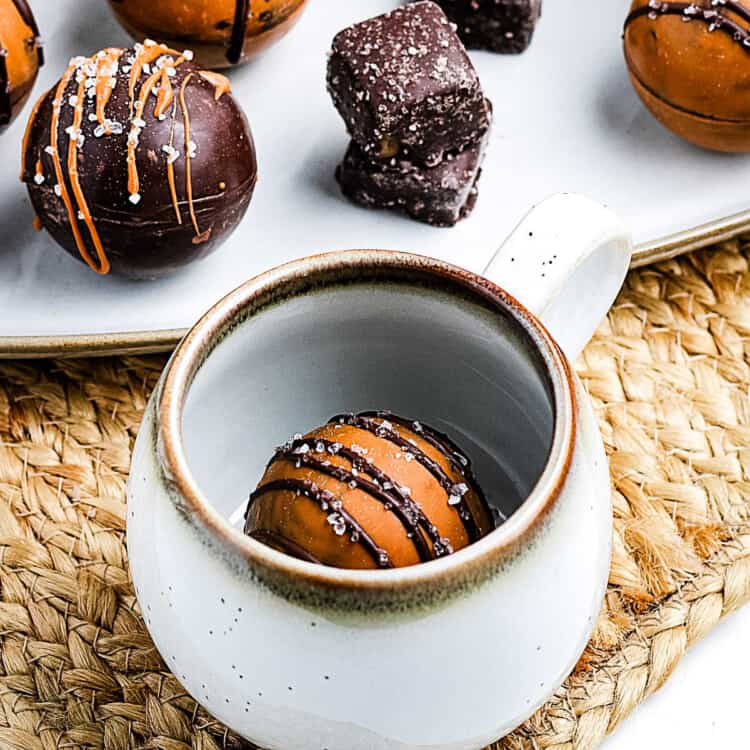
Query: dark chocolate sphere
x=369, y=491
x=139, y=162
x=221, y=32
x=690, y=64
x=20, y=57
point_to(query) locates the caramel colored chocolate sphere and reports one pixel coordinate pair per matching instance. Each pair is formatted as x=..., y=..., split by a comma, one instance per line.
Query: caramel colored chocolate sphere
x=690, y=64
x=368, y=491
x=20, y=57
x=138, y=161
x=221, y=32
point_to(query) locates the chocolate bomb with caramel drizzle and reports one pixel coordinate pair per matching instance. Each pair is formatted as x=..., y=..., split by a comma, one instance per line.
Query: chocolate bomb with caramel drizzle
x=370, y=490
x=20, y=57
x=690, y=65
x=220, y=32
x=138, y=161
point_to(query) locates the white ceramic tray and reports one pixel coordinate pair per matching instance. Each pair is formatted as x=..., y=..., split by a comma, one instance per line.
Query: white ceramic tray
x=566, y=120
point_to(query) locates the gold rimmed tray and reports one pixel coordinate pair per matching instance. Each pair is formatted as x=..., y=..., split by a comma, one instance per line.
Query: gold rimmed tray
x=563, y=123
x=151, y=342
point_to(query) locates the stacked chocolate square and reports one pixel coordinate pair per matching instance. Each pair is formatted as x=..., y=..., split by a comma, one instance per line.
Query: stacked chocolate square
x=415, y=110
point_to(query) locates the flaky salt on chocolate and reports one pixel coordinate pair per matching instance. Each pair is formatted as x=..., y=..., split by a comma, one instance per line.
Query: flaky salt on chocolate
x=497, y=25
x=441, y=195
x=405, y=86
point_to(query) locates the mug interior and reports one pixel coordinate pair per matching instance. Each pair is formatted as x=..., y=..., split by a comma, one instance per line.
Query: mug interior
x=416, y=344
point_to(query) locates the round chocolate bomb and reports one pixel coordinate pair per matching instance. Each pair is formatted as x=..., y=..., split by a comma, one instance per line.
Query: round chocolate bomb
x=139, y=162
x=690, y=64
x=20, y=58
x=220, y=32
x=369, y=491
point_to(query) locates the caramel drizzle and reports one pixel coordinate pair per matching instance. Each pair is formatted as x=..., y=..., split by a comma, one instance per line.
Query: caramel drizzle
x=170, y=170
x=366, y=421
x=83, y=209
x=105, y=85
x=325, y=499
x=716, y=20
x=221, y=83
x=164, y=98
x=239, y=31
x=60, y=177
x=27, y=132
x=188, y=157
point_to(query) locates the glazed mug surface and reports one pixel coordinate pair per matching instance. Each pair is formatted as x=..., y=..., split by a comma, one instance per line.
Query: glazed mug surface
x=446, y=655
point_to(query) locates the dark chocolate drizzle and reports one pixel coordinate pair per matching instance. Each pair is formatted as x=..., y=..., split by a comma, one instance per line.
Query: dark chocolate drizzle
x=281, y=543
x=239, y=30
x=713, y=16
x=327, y=501
x=5, y=102
x=366, y=421
x=382, y=488
x=28, y=18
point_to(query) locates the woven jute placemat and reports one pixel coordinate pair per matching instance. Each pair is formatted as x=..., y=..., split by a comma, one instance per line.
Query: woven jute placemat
x=669, y=374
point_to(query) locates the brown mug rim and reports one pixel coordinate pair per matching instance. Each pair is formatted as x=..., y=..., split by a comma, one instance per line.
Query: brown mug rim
x=280, y=571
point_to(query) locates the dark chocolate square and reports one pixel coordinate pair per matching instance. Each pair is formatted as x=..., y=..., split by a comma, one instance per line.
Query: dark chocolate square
x=439, y=195
x=405, y=86
x=496, y=25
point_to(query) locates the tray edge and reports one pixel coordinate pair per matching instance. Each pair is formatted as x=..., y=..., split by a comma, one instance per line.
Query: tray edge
x=164, y=340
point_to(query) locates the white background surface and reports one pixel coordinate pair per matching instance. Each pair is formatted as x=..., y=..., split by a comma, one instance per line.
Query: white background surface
x=566, y=120
x=705, y=704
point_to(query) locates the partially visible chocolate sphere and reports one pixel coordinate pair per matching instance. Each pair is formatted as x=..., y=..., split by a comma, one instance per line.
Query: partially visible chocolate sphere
x=690, y=64
x=221, y=32
x=369, y=491
x=20, y=57
x=139, y=162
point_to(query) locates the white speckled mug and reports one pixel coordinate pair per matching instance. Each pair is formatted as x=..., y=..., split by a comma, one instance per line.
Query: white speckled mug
x=446, y=655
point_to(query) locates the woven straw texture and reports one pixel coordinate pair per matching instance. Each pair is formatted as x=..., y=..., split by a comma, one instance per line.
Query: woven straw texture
x=669, y=374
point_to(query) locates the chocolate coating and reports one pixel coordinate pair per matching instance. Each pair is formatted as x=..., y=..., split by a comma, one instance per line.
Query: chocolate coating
x=505, y=26
x=20, y=58
x=368, y=491
x=222, y=33
x=146, y=230
x=690, y=64
x=441, y=195
x=405, y=86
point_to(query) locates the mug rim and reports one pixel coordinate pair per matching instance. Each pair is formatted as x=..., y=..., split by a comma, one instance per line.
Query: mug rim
x=476, y=560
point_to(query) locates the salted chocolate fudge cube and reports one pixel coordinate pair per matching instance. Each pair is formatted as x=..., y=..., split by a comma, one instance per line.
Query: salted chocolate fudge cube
x=405, y=86
x=441, y=195
x=497, y=25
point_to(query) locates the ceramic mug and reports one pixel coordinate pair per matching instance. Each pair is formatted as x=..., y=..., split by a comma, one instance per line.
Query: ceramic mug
x=449, y=654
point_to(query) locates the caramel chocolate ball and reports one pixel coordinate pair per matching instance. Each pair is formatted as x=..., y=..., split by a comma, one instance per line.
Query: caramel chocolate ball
x=20, y=57
x=690, y=64
x=369, y=491
x=221, y=32
x=139, y=162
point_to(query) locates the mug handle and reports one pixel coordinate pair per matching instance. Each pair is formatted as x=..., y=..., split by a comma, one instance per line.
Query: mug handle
x=565, y=262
